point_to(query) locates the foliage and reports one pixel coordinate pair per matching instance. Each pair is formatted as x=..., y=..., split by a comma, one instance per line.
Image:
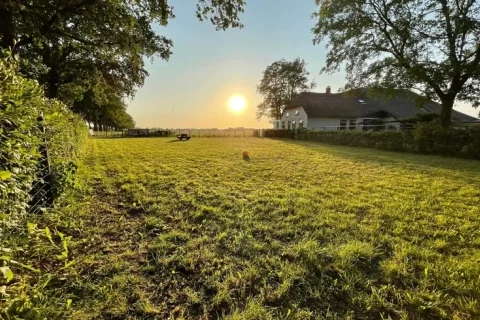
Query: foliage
x=31, y=259
x=429, y=138
x=21, y=103
x=279, y=133
x=38, y=257
x=426, y=45
x=282, y=81
x=302, y=231
x=109, y=111
x=72, y=46
x=421, y=118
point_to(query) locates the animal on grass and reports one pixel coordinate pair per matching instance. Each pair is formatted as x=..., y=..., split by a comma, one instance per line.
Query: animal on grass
x=246, y=155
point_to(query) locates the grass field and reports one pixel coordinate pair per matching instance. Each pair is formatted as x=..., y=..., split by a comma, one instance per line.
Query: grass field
x=188, y=230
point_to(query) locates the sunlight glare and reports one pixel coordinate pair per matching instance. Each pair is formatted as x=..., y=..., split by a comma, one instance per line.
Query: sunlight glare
x=237, y=104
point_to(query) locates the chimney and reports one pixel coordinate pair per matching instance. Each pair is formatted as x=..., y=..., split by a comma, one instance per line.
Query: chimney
x=329, y=90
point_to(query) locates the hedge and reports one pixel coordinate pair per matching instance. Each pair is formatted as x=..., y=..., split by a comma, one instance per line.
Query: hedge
x=427, y=138
x=21, y=102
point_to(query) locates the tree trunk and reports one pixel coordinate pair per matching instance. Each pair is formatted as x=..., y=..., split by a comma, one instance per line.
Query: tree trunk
x=52, y=83
x=7, y=29
x=446, y=113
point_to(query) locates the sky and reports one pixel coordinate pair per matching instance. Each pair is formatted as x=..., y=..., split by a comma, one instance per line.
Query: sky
x=208, y=67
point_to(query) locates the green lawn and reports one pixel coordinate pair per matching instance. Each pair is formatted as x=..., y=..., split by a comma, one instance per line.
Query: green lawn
x=188, y=230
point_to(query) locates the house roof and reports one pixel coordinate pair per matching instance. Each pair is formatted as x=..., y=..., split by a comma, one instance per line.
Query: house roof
x=342, y=105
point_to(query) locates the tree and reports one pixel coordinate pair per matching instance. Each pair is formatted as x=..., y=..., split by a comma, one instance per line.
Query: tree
x=67, y=43
x=282, y=81
x=105, y=109
x=431, y=46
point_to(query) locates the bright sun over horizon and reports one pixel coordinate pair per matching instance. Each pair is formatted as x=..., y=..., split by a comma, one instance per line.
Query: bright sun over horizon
x=237, y=104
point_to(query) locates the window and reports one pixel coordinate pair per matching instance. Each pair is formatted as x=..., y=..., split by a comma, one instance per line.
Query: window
x=289, y=124
x=372, y=124
x=352, y=125
x=283, y=125
x=297, y=112
x=288, y=114
x=300, y=124
x=293, y=125
x=393, y=128
x=343, y=124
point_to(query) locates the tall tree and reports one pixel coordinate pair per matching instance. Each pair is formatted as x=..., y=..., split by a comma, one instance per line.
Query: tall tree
x=67, y=42
x=282, y=81
x=104, y=108
x=431, y=46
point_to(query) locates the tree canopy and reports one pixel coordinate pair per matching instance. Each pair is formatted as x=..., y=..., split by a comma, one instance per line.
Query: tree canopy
x=282, y=81
x=431, y=46
x=105, y=110
x=73, y=46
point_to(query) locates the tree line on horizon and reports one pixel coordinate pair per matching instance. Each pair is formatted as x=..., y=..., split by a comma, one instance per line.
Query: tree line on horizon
x=90, y=54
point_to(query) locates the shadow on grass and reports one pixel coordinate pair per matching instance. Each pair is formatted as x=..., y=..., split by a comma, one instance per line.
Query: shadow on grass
x=468, y=168
x=176, y=140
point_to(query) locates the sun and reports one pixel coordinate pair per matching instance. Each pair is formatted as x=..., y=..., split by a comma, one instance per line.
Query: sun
x=237, y=104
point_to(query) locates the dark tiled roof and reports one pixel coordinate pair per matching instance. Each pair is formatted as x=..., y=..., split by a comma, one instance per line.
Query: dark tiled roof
x=341, y=105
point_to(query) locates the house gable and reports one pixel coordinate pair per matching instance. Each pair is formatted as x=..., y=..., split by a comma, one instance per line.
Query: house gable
x=295, y=117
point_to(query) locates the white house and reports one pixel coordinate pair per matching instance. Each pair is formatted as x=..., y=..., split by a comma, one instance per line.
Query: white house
x=348, y=111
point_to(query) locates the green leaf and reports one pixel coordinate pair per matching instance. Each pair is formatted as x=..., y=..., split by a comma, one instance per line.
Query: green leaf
x=69, y=302
x=31, y=227
x=4, y=175
x=3, y=291
x=4, y=216
x=49, y=235
x=24, y=266
x=68, y=264
x=6, y=273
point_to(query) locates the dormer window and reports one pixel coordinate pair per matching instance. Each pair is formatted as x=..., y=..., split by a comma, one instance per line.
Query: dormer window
x=288, y=114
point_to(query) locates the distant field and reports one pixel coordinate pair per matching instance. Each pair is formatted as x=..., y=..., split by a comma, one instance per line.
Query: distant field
x=188, y=230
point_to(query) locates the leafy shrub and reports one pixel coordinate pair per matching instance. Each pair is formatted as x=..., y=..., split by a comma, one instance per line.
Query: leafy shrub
x=270, y=133
x=432, y=138
x=427, y=138
x=23, y=288
x=21, y=103
x=472, y=148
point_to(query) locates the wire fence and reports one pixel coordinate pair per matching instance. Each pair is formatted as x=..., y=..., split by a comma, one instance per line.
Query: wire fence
x=173, y=132
x=42, y=195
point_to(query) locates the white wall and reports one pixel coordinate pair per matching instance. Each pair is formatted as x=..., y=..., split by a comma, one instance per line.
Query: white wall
x=292, y=117
x=322, y=123
x=325, y=123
